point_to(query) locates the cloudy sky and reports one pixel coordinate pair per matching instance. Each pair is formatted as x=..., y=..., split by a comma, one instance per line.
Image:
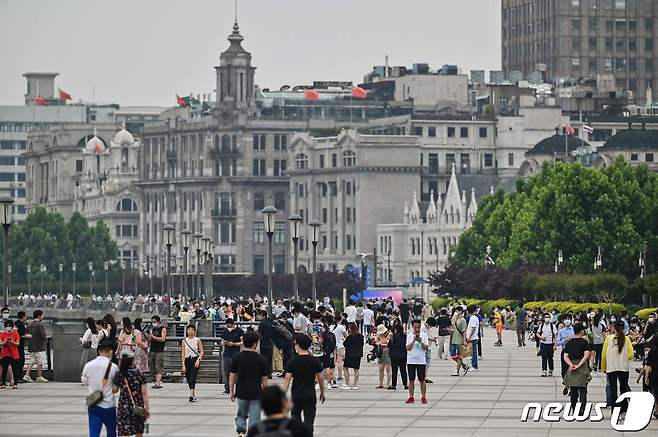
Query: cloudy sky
x=143, y=52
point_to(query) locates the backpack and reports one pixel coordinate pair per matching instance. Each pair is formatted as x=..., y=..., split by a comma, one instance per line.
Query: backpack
x=282, y=331
x=329, y=344
x=281, y=431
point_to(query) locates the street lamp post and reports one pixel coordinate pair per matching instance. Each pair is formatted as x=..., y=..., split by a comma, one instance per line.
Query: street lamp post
x=295, y=221
x=90, y=265
x=29, y=283
x=6, y=201
x=61, y=269
x=269, y=215
x=122, y=264
x=388, y=260
x=642, y=263
x=169, y=235
x=106, y=266
x=42, y=270
x=558, y=261
x=598, y=260
x=185, y=235
x=74, y=268
x=9, y=269
x=315, y=228
x=205, y=244
x=198, y=243
x=150, y=267
x=210, y=269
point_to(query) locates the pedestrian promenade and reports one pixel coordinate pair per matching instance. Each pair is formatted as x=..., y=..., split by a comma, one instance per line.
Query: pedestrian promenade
x=485, y=403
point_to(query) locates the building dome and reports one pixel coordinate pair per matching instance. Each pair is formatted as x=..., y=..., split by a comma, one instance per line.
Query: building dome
x=95, y=145
x=555, y=144
x=632, y=139
x=123, y=137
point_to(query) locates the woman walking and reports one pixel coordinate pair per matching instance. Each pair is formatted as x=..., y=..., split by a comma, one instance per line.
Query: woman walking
x=89, y=342
x=191, y=356
x=382, y=340
x=398, y=351
x=127, y=339
x=547, y=336
x=616, y=361
x=141, y=351
x=353, y=353
x=576, y=354
x=598, y=337
x=133, y=407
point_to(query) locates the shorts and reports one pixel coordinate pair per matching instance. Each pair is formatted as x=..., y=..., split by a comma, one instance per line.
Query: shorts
x=328, y=362
x=352, y=363
x=385, y=358
x=38, y=358
x=499, y=329
x=454, y=350
x=339, y=356
x=156, y=363
x=416, y=369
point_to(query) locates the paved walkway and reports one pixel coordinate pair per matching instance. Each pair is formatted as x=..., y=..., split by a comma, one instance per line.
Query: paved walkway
x=481, y=404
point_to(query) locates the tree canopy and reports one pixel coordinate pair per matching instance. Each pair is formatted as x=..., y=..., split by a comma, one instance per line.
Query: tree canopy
x=571, y=208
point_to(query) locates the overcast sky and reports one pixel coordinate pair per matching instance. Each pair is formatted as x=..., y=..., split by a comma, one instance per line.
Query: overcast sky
x=143, y=52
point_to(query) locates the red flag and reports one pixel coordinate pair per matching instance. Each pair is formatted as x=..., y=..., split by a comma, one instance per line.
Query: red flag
x=63, y=95
x=181, y=101
x=359, y=93
x=40, y=101
x=570, y=131
x=311, y=95
x=99, y=147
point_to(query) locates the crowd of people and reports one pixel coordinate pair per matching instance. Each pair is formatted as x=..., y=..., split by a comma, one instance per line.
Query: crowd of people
x=314, y=348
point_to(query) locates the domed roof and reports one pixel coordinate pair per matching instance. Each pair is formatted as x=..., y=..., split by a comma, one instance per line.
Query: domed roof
x=95, y=145
x=555, y=144
x=123, y=137
x=632, y=139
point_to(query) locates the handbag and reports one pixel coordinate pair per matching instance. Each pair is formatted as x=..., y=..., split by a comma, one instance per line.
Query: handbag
x=95, y=397
x=466, y=350
x=137, y=410
x=86, y=344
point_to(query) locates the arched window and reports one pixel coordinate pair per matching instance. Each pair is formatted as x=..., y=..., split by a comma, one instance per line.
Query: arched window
x=226, y=143
x=349, y=159
x=126, y=205
x=301, y=161
x=216, y=142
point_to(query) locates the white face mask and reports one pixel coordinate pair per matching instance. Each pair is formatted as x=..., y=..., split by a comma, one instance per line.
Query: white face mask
x=5, y=315
x=547, y=319
x=651, y=319
x=9, y=329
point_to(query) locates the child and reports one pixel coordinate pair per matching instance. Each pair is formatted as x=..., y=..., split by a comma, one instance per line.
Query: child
x=9, y=356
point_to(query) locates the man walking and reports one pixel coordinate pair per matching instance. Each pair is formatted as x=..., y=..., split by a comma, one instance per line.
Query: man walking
x=98, y=375
x=277, y=407
x=37, y=347
x=304, y=371
x=248, y=377
x=473, y=334
x=521, y=324
x=157, y=338
x=231, y=342
x=417, y=344
x=459, y=327
x=22, y=332
x=266, y=331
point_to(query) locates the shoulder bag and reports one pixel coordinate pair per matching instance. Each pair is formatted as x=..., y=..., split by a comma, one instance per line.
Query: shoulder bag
x=94, y=398
x=137, y=410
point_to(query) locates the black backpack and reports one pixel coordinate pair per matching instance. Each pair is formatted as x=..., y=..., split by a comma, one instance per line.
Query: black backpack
x=329, y=343
x=282, y=331
x=281, y=431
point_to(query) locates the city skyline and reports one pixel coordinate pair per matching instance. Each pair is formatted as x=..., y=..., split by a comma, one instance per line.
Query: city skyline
x=90, y=45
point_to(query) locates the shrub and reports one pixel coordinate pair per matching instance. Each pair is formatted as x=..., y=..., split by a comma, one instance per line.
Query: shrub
x=644, y=313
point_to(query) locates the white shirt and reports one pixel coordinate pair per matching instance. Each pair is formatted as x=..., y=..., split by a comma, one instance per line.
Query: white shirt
x=339, y=332
x=92, y=377
x=89, y=336
x=300, y=323
x=473, y=328
x=368, y=317
x=351, y=313
x=547, y=330
x=417, y=354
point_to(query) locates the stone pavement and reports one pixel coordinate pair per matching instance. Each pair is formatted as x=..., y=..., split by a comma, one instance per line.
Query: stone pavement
x=485, y=403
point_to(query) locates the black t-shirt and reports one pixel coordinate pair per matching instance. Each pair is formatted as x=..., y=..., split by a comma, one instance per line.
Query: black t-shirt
x=353, y=345
x=443, y=322
x=303, y=369
x=296, y=428
x=22, y=330
x=266, y=330
x=250, y=368
x=652, y=360
x=576, y=348
x=157, y=346
x=404, y=311
x=234, y=335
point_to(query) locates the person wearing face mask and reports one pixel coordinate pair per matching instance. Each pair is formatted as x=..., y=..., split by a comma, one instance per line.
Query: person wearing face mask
x=565, y=334
x=156, y=338
x=9, y=356
x=231, y=340
x=547, y=335
x=5, y=313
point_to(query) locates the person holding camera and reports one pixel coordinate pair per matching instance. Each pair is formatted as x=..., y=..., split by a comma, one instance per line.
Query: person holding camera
x=417, y=344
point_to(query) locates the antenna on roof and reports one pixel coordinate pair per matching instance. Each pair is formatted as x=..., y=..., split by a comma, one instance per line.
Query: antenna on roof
x=236, y=11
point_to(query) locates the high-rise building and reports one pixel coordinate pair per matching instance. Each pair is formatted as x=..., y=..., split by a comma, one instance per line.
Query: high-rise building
x=583, y=38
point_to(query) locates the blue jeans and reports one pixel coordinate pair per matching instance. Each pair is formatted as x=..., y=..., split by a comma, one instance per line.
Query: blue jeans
x=247, y=409
x=102, y=416
x=474, y=357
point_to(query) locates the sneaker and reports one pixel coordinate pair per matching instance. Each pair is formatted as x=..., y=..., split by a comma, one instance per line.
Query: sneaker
x=14, y=387
x=344, y=387
x=565, y=391
x=390, y=387
x=406, y=387
x=455, y=373
x=27, y=378
x=226, y=392
x=466, y=369
x=423, y=400
x=2, y=387
x=41, y=379
x=410, y=400
x=550, y=373
x=191, y=399
x=334, y=385
x=429, y=381
x=543, y=373
x=355, y=387
x=241, y=434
